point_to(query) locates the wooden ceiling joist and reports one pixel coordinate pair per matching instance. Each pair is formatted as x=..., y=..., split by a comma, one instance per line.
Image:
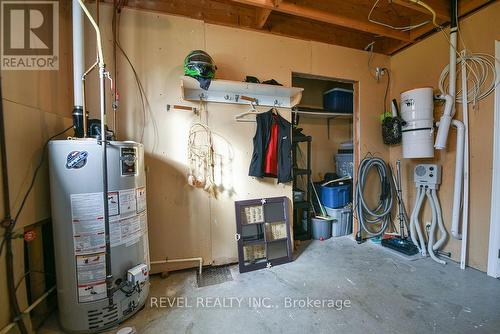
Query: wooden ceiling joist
x=442, y=8
x=338, y=22
x=261, y=16
x=327, y=17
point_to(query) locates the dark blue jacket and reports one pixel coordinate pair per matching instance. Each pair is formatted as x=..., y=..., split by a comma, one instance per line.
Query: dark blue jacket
x=261, y=141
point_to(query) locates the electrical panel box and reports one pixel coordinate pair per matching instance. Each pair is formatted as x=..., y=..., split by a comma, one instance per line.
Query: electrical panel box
x=427, y=175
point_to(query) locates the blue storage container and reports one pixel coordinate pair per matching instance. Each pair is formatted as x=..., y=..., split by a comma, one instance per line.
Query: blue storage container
x=335, y=195
x=339, y=100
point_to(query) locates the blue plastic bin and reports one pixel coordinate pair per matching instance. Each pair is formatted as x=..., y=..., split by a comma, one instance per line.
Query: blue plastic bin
x=339, y=100
x=335, y=195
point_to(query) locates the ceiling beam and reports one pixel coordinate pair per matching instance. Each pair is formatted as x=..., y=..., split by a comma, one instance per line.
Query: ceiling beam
x=442, y=8
x=327, y=17
x=261, y=16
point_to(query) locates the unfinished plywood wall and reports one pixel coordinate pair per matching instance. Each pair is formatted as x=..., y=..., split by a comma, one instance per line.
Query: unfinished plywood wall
x=421, y=65
x=185, y=222
x=37, y=105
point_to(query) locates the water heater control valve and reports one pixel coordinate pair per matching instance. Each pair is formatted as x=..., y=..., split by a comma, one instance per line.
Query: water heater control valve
x=427, y=175
x=138, y=275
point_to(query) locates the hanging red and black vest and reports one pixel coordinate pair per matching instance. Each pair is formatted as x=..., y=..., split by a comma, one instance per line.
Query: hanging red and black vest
x=272, y=148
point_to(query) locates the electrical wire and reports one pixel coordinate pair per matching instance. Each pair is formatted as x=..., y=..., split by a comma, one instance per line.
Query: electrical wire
x=430, y=9
x=386, y=87
x=483, y=78
x=403, y=28
x=145, y=104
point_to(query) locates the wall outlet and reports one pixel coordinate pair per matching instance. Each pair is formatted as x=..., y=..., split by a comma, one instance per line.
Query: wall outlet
x=379, y=72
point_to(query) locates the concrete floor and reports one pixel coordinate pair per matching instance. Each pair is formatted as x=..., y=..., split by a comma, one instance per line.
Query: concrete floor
x=387, y=294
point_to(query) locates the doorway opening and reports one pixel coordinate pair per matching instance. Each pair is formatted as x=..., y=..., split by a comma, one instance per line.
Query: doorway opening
x=324, y=156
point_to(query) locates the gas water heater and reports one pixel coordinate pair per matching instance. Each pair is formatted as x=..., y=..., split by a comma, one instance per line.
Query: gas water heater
x=85, y=304
x=417, y=111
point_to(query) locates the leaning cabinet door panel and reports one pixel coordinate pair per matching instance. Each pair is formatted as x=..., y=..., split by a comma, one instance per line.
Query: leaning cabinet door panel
x=263, y=233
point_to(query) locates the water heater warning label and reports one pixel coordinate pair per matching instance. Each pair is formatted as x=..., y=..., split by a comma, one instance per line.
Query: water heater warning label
x=91, y=276
x=91, y=292
x=128, y=203
x=87, y=215
x=140, y=194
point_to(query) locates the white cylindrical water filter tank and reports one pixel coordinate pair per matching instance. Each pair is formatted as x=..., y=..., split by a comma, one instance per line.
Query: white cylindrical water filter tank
x=417, y=110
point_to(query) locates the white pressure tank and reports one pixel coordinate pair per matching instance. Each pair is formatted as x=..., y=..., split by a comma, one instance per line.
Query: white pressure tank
x=79, y=232
x=417, y=110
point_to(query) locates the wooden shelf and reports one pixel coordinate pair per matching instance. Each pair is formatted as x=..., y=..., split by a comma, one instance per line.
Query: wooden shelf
x=226, y=91
x=320, y=113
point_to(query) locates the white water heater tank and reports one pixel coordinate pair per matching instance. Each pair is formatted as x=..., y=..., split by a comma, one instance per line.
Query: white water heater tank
x=417, y=110
x=80, y=232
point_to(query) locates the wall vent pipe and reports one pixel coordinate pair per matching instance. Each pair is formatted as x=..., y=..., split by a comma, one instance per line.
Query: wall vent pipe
x=79, y=124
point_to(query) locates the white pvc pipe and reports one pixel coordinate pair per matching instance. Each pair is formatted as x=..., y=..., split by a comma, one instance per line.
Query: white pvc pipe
x=457, y=193
x=191, y=259
x=449, y=109
x=102, y=106
x=465, y=212
x=78, y=54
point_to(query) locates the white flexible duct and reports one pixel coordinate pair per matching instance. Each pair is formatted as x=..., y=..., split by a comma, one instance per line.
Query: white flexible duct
x=431, y=247
x=417, y=236
x=438, y=244
x=415, y=223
